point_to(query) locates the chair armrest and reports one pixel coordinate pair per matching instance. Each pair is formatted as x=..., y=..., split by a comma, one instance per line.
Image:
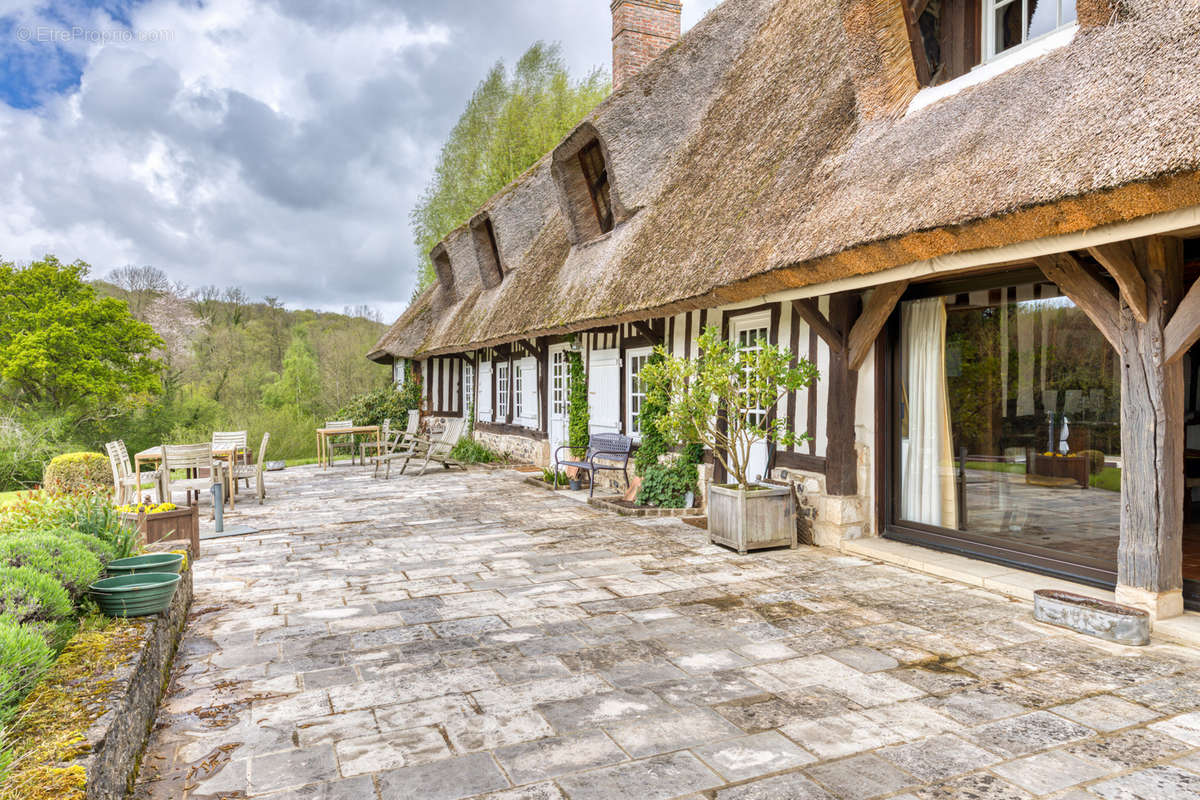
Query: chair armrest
x=559, y=449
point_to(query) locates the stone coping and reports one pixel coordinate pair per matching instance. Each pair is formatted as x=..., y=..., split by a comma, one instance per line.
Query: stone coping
x=116, y=740
x=607, y=504
x=1007, y=580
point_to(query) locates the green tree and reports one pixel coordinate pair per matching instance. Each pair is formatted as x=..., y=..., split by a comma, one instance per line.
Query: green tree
x=63, y=346
x=719, y=399
x=509, y=123
x=299, y=386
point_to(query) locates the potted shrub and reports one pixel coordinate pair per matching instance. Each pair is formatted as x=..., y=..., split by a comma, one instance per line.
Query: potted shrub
x=158, y=521
x=715, y=401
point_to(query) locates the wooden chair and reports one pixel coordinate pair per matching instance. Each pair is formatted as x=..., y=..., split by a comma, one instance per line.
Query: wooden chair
x=234, y=441
x=337, y=443
x=126, y=482
x=193, y=458
x=403, y=445
x=376, y=448
x=438, y=449
x=247, y=471
x=609, y=446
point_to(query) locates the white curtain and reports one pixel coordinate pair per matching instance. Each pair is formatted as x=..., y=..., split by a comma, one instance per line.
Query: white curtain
x=927, y=470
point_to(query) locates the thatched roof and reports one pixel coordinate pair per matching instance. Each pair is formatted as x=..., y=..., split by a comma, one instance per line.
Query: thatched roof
x=765, y=151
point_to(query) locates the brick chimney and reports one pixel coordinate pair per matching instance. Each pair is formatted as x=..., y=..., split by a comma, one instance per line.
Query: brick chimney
x=641, y=30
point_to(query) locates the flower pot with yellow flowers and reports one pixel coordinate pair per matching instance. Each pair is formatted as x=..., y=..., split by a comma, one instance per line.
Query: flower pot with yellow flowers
x=158, y=522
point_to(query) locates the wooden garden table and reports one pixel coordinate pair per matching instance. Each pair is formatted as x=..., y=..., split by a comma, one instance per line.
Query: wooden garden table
x=324, y=435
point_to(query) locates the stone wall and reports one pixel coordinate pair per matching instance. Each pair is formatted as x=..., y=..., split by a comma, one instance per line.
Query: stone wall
x=115, y=741
x=521, y=449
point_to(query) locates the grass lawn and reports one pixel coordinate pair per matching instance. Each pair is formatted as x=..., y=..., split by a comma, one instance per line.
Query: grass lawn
x=996, y=466
x=1108, y=478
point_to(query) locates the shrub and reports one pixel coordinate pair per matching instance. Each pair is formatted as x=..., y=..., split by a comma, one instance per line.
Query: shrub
x=24, y=658
x=653, y=443
x=548, y=475
x=24, y=451
x=578, y=413
x=469, y=451
x=374, y=407
x=68, y=562
x=666, y=485
x=101, y=549
x=94, y=516
x=77, y=472
x=29, y=596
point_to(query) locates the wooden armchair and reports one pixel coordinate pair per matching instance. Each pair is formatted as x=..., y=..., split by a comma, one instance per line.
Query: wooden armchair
x=194, y=459
x=127, y=483
x=247, y=471
x=434, y=449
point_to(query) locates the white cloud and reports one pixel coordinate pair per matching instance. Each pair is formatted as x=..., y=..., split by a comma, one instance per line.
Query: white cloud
x=273, y=144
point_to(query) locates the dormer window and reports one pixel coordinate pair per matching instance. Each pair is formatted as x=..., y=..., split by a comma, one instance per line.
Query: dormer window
x=487, y=251
x=1009, y=23
x=595, y=173
x=951, y=37
x=441, y=266
x=587, y=192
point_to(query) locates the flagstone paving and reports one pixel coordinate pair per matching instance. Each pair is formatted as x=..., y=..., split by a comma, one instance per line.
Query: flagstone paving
x=469, y=636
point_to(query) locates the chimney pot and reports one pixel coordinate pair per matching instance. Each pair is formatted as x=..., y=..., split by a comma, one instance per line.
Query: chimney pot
x=642, y=29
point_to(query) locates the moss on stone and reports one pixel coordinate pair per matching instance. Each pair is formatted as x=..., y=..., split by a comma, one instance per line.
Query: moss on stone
x=49, y=731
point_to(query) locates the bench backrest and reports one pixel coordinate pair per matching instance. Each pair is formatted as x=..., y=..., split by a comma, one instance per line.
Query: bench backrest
x=611, y=445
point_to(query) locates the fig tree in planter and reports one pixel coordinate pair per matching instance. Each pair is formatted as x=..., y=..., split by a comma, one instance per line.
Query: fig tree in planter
x=718, y=400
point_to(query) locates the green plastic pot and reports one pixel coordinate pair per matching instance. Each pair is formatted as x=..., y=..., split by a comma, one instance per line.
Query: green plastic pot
x=137, y=595
x=154, y=562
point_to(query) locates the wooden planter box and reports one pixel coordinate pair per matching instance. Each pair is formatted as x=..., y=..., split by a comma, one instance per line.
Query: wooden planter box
x=182, y=524
x=751, y=520
x=1075, y=468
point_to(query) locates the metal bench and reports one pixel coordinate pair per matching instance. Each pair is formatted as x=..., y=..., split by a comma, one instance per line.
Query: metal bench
x=612, y=446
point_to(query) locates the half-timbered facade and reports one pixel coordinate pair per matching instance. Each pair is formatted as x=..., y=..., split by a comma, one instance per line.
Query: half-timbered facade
x=981, y=220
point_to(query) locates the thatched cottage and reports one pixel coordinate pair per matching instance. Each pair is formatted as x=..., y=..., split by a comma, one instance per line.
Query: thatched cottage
x=980, y=218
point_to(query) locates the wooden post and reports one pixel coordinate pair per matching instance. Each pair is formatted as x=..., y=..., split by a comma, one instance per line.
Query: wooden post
x=841, y=462
x=1150, y=553
x=1150, y=556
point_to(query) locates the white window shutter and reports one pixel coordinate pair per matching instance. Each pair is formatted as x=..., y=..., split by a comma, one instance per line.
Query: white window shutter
x=529, y=392
x=604, y=391
x=483, y=411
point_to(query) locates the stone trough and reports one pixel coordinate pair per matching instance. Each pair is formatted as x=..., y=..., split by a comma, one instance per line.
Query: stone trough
x=1099, y=618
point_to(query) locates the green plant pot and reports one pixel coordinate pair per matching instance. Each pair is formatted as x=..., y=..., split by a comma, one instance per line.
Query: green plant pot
x=154, y=562
x=136, y=595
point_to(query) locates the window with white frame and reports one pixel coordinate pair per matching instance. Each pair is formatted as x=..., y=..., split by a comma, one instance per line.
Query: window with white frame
x=558, y=383
x=468, y=387
x=518, y=392
x=1011, y=23
x=635, y=388
x=751, y=335
x=502, y=390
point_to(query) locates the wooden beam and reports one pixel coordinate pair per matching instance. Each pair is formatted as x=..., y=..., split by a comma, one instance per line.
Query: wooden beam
x=1118, y=259
x=917, y=44
x=647, y=330
x=1092, y=297
x=531, y=348
x=810, y=312
x=468, y=358
x=841, y=459
x=1184, y=328
x=876, y=312
x=918, y=8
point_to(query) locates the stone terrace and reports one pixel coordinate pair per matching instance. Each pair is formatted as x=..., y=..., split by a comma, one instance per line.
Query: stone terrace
x=469, y=636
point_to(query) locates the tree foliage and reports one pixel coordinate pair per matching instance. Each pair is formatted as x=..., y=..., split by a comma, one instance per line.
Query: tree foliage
x=509, y=123
x=719, y=399
x=61, y=345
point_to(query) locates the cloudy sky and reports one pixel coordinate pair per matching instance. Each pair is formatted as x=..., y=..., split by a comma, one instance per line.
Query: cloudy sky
x=277, y=145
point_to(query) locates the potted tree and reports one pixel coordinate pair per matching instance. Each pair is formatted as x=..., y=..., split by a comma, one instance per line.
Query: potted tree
x=724, y=400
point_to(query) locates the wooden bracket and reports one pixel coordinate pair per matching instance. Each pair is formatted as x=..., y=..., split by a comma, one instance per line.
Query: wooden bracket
x=647, y=330
x=1119, y=260
x=531, y=348
x=876, y=312
x=468, y=358
x=1184, y=328
x=810, y=312
x=1092, y=297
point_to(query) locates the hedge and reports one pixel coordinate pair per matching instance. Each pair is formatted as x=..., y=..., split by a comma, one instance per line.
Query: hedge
x=77, y=472
x=67, y=561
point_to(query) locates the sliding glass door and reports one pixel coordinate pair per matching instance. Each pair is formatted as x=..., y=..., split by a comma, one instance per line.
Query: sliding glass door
x=1005, y=428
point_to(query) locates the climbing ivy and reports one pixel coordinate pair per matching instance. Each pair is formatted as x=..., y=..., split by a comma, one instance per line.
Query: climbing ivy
x=577, y=406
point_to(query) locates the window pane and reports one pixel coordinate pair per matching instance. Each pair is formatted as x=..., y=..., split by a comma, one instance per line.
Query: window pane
x=1068, y=12
x=1009, y=421
x=1009, y=26
x=1043, y=18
